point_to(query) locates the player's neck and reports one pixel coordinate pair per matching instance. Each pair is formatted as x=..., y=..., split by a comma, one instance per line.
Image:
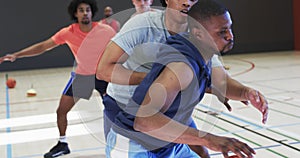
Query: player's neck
x=205, y=50
x=86, y=27
x=174, y=27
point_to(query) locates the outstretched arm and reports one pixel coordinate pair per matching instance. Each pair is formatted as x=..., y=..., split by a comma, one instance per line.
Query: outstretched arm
x=110, y=67
x=237, y=91
x=151, y=120
x=32, y=50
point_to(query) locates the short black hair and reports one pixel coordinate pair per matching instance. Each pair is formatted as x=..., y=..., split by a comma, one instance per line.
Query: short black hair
x=72, y=9
x=205, y=9
x=163, y=3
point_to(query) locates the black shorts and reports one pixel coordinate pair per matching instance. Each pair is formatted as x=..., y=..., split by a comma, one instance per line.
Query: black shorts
x=82, y=86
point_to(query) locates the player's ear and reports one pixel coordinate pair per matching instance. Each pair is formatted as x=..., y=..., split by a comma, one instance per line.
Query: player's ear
x=199, y=34
x=167, y=2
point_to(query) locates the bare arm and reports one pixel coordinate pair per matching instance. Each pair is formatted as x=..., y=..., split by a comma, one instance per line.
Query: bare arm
x=32, y=50
x=151, y=120
x=237, y=91
x=225, y=84
x=110, y=67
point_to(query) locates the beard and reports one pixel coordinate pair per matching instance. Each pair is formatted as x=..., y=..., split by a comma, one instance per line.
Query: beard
x=85, y=22
x=227, y=47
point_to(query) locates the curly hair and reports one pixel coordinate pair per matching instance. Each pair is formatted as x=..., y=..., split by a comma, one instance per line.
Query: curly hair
x=72, y=8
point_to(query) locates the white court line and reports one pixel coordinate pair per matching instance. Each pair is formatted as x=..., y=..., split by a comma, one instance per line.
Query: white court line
x=46, y=133
x=35, y=120
x=40, y=134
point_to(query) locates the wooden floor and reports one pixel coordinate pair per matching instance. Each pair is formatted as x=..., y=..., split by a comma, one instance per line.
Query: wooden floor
x=28, y=124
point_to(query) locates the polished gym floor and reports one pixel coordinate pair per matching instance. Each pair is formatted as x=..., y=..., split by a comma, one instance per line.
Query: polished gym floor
x=28, y=124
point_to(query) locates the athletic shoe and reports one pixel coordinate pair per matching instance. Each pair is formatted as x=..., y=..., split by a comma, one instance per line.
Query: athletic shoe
x=59, y=149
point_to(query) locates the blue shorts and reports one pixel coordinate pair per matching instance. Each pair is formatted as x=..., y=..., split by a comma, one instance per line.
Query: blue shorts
x=112, y=108
x=118, y=146
x=82, y=86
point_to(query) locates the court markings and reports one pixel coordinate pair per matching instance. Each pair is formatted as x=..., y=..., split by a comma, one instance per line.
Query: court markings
x=266, y=140
x=31, y=135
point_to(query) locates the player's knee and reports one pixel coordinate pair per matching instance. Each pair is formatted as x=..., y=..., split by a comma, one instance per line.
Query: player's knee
x=61, y=112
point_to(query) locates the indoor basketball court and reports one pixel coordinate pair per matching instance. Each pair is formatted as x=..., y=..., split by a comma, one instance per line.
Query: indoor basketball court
x=265, y=56
x=28, y=124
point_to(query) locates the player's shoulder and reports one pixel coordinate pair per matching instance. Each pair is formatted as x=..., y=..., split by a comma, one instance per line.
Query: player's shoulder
x=71, y=27
x=67, y=28
x=154, y=13
x=100, y=27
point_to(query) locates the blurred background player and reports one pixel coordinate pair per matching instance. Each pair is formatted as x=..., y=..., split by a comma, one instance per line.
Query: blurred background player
x=108, y=20
x=87, y=52
x=142, y=6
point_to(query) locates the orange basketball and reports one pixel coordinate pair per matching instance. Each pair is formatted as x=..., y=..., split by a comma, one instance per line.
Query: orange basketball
x=11, y=83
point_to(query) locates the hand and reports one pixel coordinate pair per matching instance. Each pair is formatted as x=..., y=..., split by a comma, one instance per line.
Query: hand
x=226, y=144
x=8, y=57
x=220, y=97
x=223, y=99
x=259, y=102
x=227, y=105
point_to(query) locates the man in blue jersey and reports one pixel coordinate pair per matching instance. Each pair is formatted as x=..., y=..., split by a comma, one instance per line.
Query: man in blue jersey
x=156, y=120
x=125, y=69
x=137, y=43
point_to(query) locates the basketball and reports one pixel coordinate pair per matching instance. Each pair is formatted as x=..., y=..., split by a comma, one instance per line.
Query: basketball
x=11, y=83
